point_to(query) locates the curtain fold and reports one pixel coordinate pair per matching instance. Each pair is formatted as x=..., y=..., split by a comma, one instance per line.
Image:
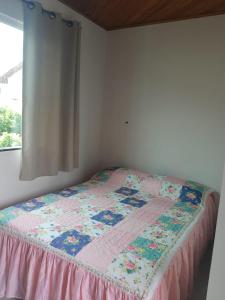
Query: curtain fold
x=50, y=93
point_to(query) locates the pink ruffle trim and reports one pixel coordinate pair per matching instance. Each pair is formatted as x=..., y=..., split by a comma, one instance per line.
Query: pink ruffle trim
x=177, y=282
x=31, y=273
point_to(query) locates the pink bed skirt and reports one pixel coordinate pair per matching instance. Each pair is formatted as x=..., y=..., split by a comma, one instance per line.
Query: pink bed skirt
x=31, y=273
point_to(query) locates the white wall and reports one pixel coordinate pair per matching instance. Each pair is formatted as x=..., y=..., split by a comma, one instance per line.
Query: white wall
x=168, y=81
x=93, y=46
x=217, y=272
x=156, y=77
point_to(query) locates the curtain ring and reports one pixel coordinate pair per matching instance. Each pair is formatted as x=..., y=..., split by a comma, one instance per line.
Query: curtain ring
x=68, y=23
x=30, y=4
x=52, y=15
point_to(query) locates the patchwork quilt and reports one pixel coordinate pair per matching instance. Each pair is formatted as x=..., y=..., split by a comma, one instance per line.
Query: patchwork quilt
x=122, y=225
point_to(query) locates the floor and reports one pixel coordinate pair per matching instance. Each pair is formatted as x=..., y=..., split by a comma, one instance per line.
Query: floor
x=201, y=284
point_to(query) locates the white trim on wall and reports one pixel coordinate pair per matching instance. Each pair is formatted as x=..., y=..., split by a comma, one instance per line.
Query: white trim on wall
x=217, y=273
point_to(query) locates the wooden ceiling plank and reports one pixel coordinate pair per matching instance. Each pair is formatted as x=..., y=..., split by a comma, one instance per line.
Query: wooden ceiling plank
x=117, y=14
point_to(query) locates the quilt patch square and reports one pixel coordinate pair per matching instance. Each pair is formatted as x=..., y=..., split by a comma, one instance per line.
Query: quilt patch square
x=187, y=207
x=171, y=190
x=30, y=205
x=48, y=212
x=47, y=231
x=196, y=186
x=109, y=218
x=48, y=199
x=126, y=191
x=70, y=219
x=8, y=214
x=159, y=234
x=71, y=242
x=92, y=228
x=102, y=176
x=190, y=195
x=147, y=248
x=67, y=192
x=66, y=205
x=26, y=222
x=132, y=271
x=169, y=223
x=134, y=202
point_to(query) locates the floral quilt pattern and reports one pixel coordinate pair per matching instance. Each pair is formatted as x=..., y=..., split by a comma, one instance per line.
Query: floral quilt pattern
x=71, y=242
x=30, y=205
x=134, y=202
x=107, y=217
x=85, y=219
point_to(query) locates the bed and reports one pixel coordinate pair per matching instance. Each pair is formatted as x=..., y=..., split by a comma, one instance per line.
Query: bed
x=122, y=235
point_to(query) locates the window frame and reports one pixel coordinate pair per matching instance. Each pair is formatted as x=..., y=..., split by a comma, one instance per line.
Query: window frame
x=8, y=20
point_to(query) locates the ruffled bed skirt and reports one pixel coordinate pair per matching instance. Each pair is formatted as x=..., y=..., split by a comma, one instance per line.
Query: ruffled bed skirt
x=177, y=282
x=31, y=273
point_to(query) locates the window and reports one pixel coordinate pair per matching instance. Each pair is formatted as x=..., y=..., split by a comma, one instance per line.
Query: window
x=11, y=57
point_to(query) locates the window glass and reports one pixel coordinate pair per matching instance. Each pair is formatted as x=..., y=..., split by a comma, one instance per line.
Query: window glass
x=11, y=59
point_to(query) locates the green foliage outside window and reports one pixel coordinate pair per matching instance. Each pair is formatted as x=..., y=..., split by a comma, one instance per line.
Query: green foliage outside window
x=10, y=128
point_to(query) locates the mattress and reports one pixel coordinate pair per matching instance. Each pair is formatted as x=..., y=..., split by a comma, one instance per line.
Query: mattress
x=122, y=235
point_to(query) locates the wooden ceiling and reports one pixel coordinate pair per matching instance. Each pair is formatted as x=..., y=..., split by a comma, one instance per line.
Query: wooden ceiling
x=115, y=14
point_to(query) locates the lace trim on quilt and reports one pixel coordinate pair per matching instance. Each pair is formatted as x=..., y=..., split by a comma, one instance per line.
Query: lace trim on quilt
x=161, y=265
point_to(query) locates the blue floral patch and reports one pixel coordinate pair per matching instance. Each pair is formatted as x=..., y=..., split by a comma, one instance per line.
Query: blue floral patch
x=190, y=195
x=71, y=242
x=107, y=217
x=126, y=191
x=67, y=192
x=147, y=248
x=134, y=202
x=30, y=205
x=196, y=186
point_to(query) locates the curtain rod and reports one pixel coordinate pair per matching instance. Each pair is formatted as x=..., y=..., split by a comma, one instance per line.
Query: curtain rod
x=51, y=14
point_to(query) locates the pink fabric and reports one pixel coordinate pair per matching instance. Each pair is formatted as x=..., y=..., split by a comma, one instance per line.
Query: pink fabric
x=114, y=241
x=153, y=188
x=70, y=220
x=31, y=273
x=177, y=282
x=99, y=192
x=102, y=202
x=118, y=177
x=151, y=211
x=26, y=222
x=66, y=205
x=176, y=180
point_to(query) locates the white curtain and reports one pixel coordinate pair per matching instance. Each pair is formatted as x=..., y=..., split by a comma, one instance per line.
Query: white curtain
x=50, y=93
